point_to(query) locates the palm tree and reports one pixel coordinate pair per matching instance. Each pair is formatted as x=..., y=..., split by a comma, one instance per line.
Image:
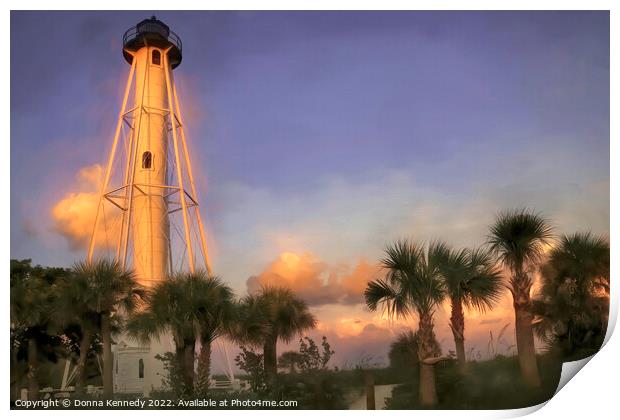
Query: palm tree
x=108, y=289
x=275, y=313
x=472, y=281
x=166, y=310
x=583, y=258
x=190, y=306
x=214, y=310
x=31, y=302
x=519, y=238
x=413, y=285
x=573, y=304
x=75, y=305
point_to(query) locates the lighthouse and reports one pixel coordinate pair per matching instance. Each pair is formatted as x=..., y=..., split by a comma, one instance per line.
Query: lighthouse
x=149, y=177
x=148, y=216
x=151, y=228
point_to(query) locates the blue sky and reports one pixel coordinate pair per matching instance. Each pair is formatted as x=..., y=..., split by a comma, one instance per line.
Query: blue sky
x=329, y=134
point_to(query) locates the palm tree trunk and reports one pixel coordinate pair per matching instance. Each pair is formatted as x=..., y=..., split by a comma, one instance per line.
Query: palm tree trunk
x=270, y=358
x=457, y=324
x=188, y=365
x=428, y=391
x=33, y=365
x=525, y=339
x=106, y=336
x=81, y=366
x=179, y=379
x=520, y=289
x=204, y=367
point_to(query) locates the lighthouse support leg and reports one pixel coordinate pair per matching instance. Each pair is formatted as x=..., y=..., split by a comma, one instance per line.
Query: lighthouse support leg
x=203, y=241
x=108, y=171
x=177, y=158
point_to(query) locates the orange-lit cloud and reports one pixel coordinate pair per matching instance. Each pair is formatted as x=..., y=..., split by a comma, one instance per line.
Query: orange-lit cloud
x=315, y=281
x=74, y=214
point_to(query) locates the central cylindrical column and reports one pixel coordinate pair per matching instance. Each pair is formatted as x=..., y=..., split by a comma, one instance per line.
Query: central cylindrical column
x=150, y=225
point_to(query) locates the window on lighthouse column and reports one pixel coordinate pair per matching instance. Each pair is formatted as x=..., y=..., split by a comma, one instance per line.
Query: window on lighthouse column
x=147, y=160
x=156, y=57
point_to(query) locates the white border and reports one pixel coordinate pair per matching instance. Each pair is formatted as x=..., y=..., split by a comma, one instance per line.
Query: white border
x=593, y=395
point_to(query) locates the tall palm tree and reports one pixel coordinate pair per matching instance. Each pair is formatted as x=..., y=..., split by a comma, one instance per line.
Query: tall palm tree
x=412, y=286
x=472, y=281
x=573, y=303
x=275, y=313
x=189, y=306
x=109, y=289
x=519, y=238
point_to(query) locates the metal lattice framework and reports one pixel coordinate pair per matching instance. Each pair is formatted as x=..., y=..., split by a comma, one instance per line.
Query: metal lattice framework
x=120, y=189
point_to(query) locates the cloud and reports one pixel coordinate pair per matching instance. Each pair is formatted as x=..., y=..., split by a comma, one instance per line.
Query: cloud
x=355, y=340
x=369, y=347
x=74, y=214
x=315, y=281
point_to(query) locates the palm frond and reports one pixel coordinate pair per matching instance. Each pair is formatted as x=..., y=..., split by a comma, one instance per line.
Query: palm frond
x=412, y=283
x=379, y=293
x=273, y=311
x=484, y=284
x=519, y=237
x=187, y=304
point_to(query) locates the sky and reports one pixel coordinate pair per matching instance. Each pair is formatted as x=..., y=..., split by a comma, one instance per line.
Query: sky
x=319, y=137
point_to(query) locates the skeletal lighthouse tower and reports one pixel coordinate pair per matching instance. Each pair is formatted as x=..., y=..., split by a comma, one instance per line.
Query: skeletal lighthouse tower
x=148, y=216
